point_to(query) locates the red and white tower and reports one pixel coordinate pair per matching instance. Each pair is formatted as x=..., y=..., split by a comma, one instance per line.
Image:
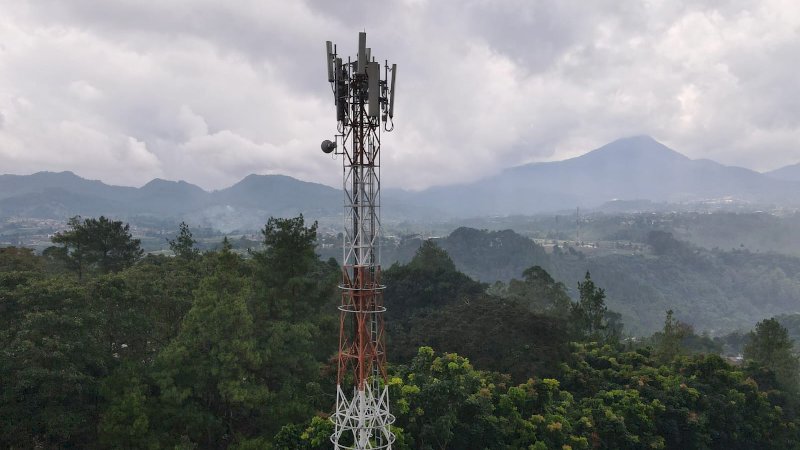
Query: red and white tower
x=364, y=95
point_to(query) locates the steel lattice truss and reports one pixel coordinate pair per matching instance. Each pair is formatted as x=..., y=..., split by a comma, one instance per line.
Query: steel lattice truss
x=362, y=421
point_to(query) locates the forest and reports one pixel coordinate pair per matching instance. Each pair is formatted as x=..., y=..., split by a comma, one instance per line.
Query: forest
x=104, y=346
x=719, y=291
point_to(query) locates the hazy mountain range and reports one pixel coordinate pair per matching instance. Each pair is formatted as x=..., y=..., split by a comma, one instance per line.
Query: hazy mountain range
x=627, y=169
x=788, y=173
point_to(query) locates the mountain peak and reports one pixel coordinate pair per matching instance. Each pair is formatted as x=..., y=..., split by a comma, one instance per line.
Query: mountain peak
x=65, y=174
x=162, y=185
x=157, y=182
x=635, y=147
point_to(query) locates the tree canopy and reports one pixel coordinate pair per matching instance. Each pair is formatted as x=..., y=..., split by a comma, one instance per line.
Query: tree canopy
x=236, y=350
x=97, y=245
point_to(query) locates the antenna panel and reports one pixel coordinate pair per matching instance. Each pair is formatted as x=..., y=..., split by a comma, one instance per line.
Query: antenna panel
x=391, y=91
x=362, y=52
x=329, y=48
x=373, y=86
x=341, y=90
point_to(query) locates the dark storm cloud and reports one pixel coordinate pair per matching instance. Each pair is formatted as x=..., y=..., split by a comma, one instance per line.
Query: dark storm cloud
x=210, y=91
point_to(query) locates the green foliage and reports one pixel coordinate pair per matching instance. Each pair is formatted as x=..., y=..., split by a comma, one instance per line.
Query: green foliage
x=608, y=400
x=217, y=351
x=589, y=316
x=770, y=347
x=210, y=377
x=492, y=255
x=668, y=342
x=19, y=259
x=428, y=282
x=713, y=289
x=678, y=338
x=433, y=304
x=315, y=436
x=162, y=289
x=444, y=403
x=792, y=324
x=126, y=419
x=695, y=402
x=52, y=362
x=663, y=243
x=293, y=304
x=495, y=334
x=540, y=292
x=97, y=245
x=432, y=257
x=289, y=249
x=183, y=246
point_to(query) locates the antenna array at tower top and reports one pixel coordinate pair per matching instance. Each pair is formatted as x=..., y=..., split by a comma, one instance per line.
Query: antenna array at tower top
x=364, y=68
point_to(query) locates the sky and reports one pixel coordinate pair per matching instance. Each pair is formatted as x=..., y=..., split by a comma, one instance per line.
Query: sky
x=210, y=91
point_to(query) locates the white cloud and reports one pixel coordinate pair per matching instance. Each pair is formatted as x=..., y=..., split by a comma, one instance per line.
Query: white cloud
x=209, y=91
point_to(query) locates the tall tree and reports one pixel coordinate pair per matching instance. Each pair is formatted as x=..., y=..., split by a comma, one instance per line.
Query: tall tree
x=183, y=246
x=211, y=376
x=771, y=347
x=99, y=245
x=430, y=256
x=289, y=250
x=540, y=292
x=293, y=298
x=668, y=342
x=428, y=282
x=589, y=313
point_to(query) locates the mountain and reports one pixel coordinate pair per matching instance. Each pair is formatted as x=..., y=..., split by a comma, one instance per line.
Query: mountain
x=15, y=185
x=633, y=168
x=55, y=203
x=788, y=173
x=249, y=203
x=627, y=173
x=245, y=205
x=281, y=194
x=168, y=197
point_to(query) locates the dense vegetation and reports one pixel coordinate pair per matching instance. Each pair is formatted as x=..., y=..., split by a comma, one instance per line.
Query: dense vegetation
x=630, y=222
x=715, y=290
x=103, y=347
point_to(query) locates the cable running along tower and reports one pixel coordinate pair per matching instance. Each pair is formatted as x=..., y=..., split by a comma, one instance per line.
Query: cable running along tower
x=363, y=91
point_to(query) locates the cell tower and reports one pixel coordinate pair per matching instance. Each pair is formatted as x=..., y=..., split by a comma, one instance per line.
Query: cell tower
x=364, y=98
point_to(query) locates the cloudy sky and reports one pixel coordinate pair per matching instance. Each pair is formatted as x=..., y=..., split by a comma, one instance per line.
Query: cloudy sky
x=210, y=91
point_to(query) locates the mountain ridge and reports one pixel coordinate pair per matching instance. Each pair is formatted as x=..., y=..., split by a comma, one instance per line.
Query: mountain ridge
x=633, y=168
x=786, y=173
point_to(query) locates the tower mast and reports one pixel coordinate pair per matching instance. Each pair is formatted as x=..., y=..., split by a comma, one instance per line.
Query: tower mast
x=364, y=101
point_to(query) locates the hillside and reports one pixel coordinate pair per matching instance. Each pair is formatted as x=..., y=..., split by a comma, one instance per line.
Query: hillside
x=713, y=290
x=787, y=173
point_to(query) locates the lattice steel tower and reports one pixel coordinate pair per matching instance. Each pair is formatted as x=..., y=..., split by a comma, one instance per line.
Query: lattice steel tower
x=364, y=96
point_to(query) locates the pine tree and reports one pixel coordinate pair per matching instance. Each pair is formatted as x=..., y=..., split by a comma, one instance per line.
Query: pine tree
x=771, y=347
x=183, y=246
